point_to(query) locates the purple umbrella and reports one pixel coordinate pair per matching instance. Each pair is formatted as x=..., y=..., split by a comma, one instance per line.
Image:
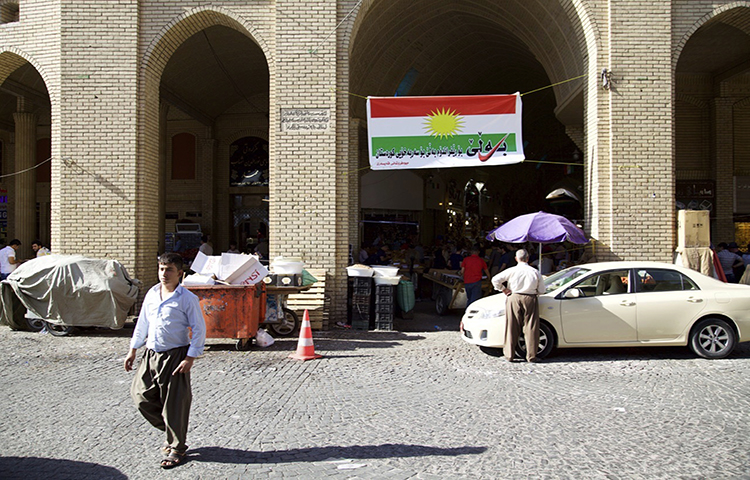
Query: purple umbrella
x=539, y=227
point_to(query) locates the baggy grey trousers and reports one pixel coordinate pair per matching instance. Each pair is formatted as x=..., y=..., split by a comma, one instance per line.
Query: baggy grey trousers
x=521, y=312
x=162, y=398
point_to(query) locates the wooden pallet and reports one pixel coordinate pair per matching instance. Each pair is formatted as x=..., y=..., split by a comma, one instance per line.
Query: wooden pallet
x=314, y=300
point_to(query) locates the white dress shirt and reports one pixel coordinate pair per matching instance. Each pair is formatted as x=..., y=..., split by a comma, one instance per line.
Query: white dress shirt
x=163, y=324
x=523, y=278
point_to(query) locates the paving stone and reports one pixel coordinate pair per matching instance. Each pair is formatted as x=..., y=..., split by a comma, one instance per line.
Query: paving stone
x=417, y=405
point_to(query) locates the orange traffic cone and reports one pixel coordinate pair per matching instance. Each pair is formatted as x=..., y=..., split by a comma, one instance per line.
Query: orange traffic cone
x=305, y=347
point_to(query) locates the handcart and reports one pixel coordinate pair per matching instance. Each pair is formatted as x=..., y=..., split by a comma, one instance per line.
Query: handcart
x=232, y=311
x=284, y=322
x=448, y=289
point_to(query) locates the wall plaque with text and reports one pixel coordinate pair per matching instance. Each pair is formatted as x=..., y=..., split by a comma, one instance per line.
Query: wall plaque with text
x=305, y=119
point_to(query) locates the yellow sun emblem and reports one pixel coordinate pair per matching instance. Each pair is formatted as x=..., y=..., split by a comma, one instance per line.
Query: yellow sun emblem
x=443, y=123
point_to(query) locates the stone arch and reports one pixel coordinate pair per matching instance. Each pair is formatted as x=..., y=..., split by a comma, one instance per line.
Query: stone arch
x=680, y=45
x=9, y=11
x=227, y=140
x=152, y=65
x=11, y=58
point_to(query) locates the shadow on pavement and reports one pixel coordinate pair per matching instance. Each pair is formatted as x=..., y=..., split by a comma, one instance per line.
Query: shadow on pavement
x=27, y=468
x=624, y=354
x=330, y=453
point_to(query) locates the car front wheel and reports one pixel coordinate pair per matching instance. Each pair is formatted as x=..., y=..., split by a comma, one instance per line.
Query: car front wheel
x=712, y=338
x=546, y=342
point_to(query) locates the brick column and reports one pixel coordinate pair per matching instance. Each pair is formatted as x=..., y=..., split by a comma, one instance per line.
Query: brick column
x=308, y=185
x=638, y=169
x=25, y=183
x=723, y=148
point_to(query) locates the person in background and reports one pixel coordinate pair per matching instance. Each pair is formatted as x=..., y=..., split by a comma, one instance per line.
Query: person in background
x=523, y=285
x=455, y=259
x=206, y=248
x=172, y=328
x=746, y=256
x=495, y=255
x=40, y=249
x=472, y=268
x=729, y=261
x=363, y=254
x=8, y=260
x=233, y=248
x=739, y=269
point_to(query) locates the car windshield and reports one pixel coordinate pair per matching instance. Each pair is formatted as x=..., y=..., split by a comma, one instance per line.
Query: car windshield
x=557, y=280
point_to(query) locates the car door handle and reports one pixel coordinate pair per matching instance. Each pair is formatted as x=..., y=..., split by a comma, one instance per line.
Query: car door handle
x=695, y=300
x=627, y=303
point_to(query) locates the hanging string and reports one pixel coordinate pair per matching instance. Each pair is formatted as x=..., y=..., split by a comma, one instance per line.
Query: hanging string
x=555, y=84
x=315, y=50
x=26, y=170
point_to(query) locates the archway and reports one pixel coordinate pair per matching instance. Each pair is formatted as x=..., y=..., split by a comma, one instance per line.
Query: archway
x=25, y=154
x=712, y=121
x=479, y=48
x=211, y=76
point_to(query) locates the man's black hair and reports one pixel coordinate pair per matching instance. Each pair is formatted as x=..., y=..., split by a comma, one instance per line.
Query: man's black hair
x=15, y=241
x=171, y=258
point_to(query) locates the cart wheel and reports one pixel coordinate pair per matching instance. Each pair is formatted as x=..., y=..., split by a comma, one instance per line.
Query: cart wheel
x=58, y=330
x=35, y=324
x=443, y=300
x=244, y=344
x=288, y=325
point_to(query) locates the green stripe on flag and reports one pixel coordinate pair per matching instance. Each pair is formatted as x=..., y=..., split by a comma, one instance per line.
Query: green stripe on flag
x=437, y=146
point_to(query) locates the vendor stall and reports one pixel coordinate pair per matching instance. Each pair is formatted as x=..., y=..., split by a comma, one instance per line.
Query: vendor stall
x=448, y=289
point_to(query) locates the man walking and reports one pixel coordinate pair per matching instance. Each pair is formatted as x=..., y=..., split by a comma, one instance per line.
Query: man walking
x=524, y=283
x=161, y=387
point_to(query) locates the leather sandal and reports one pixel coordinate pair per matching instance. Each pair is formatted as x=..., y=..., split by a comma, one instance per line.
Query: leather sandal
x=172, y=460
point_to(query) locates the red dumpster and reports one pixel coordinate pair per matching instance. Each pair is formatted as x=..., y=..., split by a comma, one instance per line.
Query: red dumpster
x=232, y=311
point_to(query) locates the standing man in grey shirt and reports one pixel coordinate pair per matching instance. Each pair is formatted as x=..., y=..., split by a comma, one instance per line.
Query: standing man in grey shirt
x=161, y=387
x=524, y=284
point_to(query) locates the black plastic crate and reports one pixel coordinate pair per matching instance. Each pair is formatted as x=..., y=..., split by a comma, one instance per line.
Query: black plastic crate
x=383, y=325
x=361, y=291
x=361, y=309
x=361, y=299
x=385, y=289
x=384, y=308
x=384, y=299
x=361, y=282
x=361, y=325
x=383, y=318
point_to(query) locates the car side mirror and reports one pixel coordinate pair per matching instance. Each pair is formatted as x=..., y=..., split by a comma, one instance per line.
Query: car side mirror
x=572, y=293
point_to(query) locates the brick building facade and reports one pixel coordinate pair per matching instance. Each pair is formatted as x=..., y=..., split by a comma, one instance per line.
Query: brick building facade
x=147, y=107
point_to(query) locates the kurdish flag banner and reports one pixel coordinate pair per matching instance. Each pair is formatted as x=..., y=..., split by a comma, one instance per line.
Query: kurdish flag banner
x=440, y=132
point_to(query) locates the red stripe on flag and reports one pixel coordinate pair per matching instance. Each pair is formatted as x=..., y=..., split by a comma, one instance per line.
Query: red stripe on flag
x=423, y=106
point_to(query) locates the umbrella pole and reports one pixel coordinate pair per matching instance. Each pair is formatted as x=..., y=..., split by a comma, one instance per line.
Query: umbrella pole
x=540, y=257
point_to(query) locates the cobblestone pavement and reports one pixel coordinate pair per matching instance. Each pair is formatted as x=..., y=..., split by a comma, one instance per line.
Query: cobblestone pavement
x=416, y=404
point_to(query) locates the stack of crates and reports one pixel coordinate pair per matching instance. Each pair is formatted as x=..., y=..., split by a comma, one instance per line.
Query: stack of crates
x=360, y=302
x=385, y=306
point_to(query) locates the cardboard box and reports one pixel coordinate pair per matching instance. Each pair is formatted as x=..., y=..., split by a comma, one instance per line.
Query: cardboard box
x=693, y=228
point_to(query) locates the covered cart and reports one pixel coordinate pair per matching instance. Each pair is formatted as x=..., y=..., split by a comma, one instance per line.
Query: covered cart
x=60, y=292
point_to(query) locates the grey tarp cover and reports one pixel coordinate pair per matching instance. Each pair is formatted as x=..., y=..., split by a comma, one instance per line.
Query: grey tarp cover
x=70, y=290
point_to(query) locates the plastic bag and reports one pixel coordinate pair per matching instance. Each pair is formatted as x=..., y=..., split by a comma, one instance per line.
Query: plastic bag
x=263, y=338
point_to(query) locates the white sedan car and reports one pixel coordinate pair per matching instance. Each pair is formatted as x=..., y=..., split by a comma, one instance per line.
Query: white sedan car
x=625, y=304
